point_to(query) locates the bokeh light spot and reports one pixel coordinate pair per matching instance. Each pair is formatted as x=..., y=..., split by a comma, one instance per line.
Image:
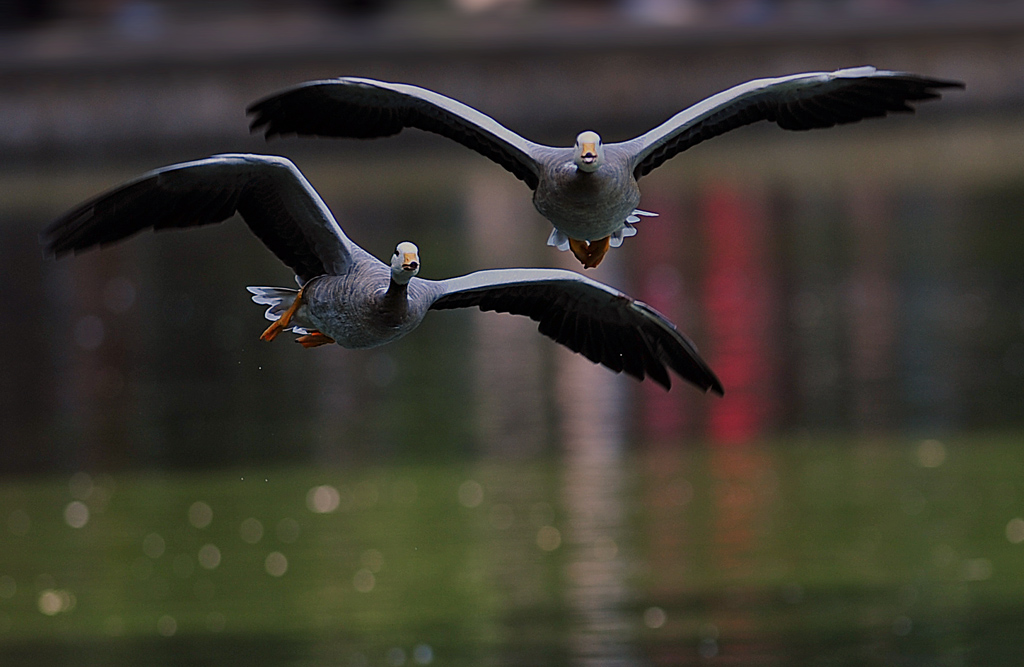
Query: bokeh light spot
x=276, y=564
x=52, y=602
x=153, y=545
x=49, y=602
x=167, y=626
x=423, y=654
x=548, y=538
x=931, y=454
x=471, y=494
x=209, y=556
x=977, y=569
x=251, y=530
x=1015, y=530
x=76, y=514
x=323, y=499
x=364, y=581
x=200, y=514
x=655, y=617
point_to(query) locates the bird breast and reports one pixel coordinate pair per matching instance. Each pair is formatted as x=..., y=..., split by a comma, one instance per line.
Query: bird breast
x=358, y=312
x=587, y=205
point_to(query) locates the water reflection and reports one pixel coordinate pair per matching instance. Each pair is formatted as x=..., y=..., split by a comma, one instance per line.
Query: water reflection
x=873, y=309
x=740, y=305
x=593, y=406
x=743, y=480
x=508, y=360
x=747, y=553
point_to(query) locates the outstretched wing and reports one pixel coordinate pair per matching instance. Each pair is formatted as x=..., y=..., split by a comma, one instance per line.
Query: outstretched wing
x=365, y=109
x=796, y=102
x=590, y=318
x=272, y=196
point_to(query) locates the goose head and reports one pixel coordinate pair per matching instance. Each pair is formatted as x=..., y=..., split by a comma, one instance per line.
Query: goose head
x=405, y=263
x=589, y=151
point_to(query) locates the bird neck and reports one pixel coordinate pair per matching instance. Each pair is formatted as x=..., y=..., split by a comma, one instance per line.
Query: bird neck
x=397, y=292
x=393, y=305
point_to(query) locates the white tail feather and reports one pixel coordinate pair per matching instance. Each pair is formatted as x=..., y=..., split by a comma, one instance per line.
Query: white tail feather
x=281, y=299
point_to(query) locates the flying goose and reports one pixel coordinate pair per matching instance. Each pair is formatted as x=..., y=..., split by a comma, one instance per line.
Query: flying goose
x=349, y=297
x=589, y=192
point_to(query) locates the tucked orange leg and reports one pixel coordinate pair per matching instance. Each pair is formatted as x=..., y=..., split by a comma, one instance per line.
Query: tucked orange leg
x=314, y=339
x=596, y=252
x=281, y=323
x=581, y=249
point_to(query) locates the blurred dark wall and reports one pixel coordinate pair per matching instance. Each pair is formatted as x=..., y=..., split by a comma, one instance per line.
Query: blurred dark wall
x=858, y=279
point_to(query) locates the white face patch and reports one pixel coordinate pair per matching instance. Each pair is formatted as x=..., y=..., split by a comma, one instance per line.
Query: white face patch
x=589, y=151
x=405, y=263
x=406, y=246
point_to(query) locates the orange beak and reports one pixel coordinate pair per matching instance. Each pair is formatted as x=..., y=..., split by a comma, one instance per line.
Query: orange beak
x=410, y=261
x=589, y=152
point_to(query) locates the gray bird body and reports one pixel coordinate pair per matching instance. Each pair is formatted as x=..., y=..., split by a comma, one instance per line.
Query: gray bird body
x=591, y=206
x=364, y=308
x=586, y=205
x=352, y=298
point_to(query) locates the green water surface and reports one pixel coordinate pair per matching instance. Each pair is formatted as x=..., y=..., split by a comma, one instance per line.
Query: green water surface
x=785, y=553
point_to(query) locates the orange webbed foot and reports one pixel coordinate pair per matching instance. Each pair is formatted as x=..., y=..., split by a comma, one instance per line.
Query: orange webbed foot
x=596, y=252
x=314, y=339
x=281, y=323
x=581, y=249
x=271, y=332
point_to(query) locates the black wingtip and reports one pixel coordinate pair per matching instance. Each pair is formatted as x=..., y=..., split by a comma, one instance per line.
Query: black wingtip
x=946, y=83
x=259, y=124
x=260, y=121
x=54, y=245
x=48, y=250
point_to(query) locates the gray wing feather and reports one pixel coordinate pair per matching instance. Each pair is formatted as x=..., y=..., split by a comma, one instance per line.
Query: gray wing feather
x=588, y=317
x=795, y=102
x=365, y=108
x=271, y=195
